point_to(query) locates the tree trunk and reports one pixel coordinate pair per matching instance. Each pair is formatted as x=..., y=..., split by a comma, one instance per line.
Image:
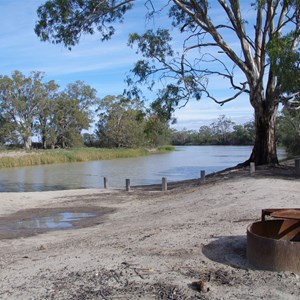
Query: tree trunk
x=44, y=140
x=27, y=143
x=264, y=151
x=44, y=143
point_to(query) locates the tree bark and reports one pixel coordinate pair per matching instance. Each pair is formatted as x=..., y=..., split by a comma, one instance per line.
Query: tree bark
x=27, y=143
x=44, y=142
x=44, y=139
x=264, y=150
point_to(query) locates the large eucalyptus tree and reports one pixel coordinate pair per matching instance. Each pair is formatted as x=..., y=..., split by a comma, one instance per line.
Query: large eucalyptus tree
x=20, y=98
x=246, y=44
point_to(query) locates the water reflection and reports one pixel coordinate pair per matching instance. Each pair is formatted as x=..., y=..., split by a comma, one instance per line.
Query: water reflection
x=57, y=221
x=184, y=163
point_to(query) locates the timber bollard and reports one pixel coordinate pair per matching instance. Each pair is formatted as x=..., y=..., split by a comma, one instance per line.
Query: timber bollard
x=297, y=167
x=202, y=175
x=105, y=182
x=252, y=168
x=164, y=184
x=127, y=185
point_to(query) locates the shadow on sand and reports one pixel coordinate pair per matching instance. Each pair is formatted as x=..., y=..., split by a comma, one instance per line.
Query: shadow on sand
x=228, y=250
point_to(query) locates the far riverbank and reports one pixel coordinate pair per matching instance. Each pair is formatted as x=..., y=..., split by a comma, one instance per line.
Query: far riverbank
x=23, y=158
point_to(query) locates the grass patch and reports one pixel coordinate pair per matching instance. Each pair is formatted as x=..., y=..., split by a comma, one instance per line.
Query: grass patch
x=10, y=159
x=166, y=148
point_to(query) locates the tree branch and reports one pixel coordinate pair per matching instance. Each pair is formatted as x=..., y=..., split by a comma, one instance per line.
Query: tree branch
x=222, y=102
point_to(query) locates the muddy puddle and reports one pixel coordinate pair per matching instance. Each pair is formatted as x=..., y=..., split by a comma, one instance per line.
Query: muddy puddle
x=36, y=221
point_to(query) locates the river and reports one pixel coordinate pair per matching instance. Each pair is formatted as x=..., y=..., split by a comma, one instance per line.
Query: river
x=184, y=163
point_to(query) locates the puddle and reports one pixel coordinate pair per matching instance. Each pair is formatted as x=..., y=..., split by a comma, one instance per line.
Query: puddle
x=58, y=221
x=35, y=221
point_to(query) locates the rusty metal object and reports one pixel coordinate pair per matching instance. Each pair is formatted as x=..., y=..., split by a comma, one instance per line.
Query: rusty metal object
x=274, y=244
x=286, y=213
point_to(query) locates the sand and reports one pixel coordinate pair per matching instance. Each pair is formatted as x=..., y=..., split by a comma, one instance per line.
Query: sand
x=147, y=244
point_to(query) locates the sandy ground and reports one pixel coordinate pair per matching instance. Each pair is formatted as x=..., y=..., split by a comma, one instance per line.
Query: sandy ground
x=146, y=244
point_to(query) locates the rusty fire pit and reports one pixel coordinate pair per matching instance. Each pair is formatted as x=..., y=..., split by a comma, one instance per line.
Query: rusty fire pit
x=275, y=244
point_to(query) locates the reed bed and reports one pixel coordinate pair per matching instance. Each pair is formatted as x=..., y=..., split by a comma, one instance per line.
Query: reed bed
x=9, y=159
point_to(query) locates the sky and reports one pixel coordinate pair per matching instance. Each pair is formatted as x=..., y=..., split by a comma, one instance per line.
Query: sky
x=103, y=66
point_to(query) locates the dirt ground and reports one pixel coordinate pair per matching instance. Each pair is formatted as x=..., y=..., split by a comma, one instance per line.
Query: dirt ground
x=186, y=243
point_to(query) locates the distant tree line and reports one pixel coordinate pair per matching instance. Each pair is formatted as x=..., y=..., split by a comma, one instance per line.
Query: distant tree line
x=31, y=107
x=225, y=132
x=221, y=132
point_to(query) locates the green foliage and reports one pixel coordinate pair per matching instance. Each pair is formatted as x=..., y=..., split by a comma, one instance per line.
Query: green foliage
x=90, y=139
x=121, y=122
x=73, y=113
x=222, y=129
x=19, y=98
x=285, y=61
x=65, y=21
x=45, y=111
x=126, y=123
x=159, y=59
x=166, y=148
x=221, y=132
x=28, y=106
x=243, y=134
x=153, y=44
x=205, y=135
x=156, y=131
x=7, y=130
x=288, y=131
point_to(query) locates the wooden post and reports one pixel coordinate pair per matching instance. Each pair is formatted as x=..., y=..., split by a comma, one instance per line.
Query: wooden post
x=164, y=184
x=127, y=185
x=297, y=167
x=252, y=167
x=202, y=175
x=105, y=182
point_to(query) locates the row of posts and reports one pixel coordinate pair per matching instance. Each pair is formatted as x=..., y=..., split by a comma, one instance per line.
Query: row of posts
x=297, y=167
x=164, y=182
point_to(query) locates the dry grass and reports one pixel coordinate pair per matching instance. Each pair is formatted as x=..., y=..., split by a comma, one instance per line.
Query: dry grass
x=10, y=159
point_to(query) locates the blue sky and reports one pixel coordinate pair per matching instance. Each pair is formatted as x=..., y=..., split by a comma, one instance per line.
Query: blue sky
x=101, y=65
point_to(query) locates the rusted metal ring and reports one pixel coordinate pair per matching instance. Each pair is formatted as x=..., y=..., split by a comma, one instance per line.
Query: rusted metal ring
x=274, y=245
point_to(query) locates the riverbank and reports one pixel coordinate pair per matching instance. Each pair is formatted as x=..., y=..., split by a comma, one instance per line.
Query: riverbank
x=22, y=158
x=148, y=244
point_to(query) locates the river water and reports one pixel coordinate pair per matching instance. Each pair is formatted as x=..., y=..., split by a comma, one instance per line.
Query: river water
x=184, y=163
